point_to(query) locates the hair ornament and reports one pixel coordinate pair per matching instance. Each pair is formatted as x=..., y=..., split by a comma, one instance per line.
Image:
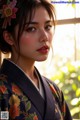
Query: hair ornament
x=8, y=12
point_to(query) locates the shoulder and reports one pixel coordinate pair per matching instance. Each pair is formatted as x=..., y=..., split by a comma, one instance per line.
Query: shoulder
x=53, y=85
x=56, y=91
x=58, y=95
x=3, y=81
x=3, y=78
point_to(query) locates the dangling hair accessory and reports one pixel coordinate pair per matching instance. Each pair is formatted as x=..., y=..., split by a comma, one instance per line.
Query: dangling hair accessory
x=8, y=12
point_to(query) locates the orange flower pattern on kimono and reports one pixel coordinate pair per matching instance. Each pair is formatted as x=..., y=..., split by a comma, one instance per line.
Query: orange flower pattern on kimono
x=22, y=102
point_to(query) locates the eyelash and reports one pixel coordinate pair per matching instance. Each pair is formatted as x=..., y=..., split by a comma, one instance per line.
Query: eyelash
x=48, y=27
x=32, y=29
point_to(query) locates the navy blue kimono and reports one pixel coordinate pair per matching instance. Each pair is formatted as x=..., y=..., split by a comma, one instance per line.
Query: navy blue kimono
x=24, y=102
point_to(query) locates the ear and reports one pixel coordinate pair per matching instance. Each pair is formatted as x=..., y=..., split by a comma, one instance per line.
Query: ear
x=8, y=37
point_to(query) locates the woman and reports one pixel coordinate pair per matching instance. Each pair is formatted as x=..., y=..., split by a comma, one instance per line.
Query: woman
x=26, y=31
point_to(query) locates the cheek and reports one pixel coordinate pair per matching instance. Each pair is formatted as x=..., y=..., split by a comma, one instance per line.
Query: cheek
x=51, y=37
x=25, y=41
x=52, y=33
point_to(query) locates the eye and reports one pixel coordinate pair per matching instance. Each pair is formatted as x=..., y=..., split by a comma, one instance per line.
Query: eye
x=48, y=27
x=30, y=29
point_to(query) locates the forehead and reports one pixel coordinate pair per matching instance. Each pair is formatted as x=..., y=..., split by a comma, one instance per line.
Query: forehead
x=40, y=13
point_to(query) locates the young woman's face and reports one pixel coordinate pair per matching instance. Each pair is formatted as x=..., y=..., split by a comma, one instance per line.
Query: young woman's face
x=36, y=39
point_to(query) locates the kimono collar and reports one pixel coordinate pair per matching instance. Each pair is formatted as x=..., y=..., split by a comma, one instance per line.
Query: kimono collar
x=46, y=107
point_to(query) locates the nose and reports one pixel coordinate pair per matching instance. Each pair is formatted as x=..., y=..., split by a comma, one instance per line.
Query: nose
x=43, y=35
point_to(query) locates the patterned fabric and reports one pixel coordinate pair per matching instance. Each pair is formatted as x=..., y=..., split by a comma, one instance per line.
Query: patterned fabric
x=15, y=102
x=20, y=97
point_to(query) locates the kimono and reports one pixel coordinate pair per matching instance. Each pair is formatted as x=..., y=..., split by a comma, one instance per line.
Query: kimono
x=23, y=101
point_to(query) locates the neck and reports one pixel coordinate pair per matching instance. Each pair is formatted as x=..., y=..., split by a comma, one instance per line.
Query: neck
x=25, y=65
x=28, y=67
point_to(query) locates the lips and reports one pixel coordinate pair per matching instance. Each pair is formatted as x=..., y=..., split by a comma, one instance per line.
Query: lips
x=43, y=49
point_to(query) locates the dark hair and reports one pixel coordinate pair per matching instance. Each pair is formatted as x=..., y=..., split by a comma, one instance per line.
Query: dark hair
x=26, y=10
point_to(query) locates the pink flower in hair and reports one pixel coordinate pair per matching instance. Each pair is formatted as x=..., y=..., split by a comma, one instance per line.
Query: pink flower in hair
x=8, y=12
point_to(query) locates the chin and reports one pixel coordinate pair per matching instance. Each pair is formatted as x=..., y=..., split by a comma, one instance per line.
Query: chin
x=41, y=60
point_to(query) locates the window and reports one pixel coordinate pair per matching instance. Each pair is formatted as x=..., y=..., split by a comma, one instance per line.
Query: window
x=66, y=40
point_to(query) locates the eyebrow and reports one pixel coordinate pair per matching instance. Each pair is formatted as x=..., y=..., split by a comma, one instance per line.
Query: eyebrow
x=48, y=21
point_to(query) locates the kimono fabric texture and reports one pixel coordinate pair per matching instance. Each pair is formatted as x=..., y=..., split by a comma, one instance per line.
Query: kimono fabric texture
x=21, y=98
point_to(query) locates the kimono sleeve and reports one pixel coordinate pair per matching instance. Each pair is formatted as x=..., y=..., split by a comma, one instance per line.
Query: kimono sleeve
x=3, y=93
x=65, y=109
x=63, y=104
x=59, y=97
x=67, y=115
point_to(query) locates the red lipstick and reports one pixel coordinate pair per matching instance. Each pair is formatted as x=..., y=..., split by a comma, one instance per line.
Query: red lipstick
x=43, y=49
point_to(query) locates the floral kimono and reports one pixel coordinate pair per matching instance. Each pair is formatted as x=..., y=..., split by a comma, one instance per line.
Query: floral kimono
x=23, y=101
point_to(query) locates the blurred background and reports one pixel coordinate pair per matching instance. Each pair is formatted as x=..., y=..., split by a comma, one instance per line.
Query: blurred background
x=63, y=63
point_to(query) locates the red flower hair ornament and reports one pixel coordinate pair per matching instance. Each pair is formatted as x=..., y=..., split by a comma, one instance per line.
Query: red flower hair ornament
x=8, y=12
